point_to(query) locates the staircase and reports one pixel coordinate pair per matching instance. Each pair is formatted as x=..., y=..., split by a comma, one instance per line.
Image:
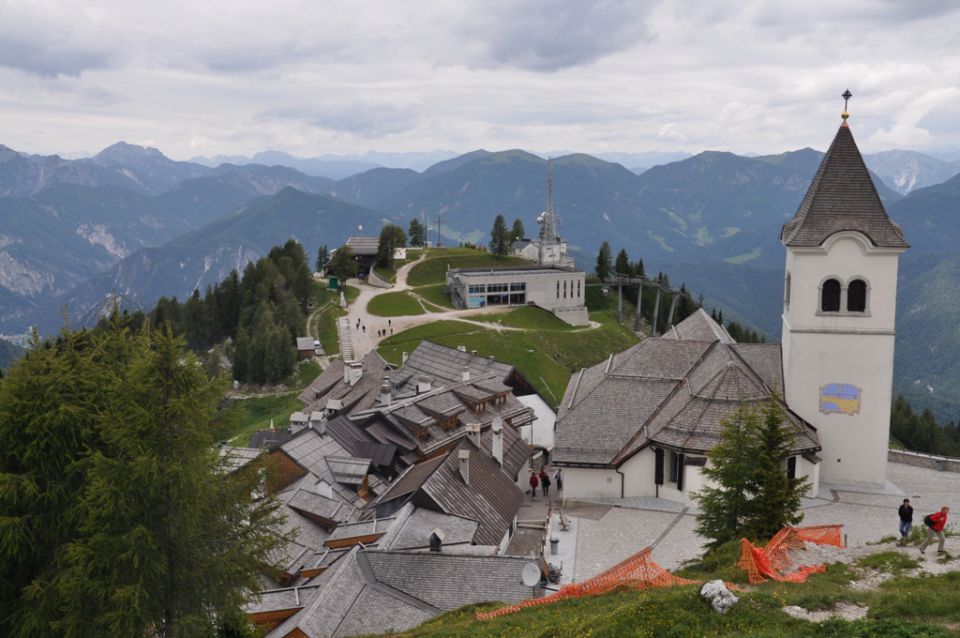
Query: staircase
x=344, y=335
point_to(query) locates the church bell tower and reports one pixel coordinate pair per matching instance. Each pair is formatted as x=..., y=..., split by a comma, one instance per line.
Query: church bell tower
x=839, y=312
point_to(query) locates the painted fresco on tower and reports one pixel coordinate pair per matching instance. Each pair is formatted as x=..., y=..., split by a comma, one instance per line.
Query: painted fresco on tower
x=840, y=398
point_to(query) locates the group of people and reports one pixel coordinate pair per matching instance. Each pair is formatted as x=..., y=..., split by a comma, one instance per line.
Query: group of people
x=542, y=480
x=382, y=332
x=935, y=523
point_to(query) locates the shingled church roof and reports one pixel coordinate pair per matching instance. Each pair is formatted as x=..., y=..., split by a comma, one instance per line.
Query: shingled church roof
x=842, y=197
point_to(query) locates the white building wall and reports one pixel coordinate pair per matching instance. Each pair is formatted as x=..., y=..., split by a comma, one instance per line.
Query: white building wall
x=579, y=482
x=638, y=474
x=838, y=348
x=542, y=431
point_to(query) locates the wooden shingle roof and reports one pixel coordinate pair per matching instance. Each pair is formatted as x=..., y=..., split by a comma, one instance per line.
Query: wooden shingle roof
x=842, y=197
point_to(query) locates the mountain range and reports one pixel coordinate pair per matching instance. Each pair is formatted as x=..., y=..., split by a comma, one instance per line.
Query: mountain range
x=130, y=223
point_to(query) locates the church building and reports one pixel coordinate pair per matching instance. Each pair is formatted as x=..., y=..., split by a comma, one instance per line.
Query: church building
x=642, y=422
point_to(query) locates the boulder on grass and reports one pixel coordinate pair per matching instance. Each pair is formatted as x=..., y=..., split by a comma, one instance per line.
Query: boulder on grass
x=721, y=598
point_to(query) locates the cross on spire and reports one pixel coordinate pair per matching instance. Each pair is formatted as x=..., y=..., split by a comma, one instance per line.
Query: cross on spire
x=846, y=98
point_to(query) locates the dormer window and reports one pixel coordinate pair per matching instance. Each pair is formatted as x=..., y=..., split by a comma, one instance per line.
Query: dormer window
x=857, y=296
x=830, y=296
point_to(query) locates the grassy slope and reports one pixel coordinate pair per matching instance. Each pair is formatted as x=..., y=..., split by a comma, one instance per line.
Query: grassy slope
x=902, y=607
x=394, y=304
x=434, y=294
x=432, y=270
x=546, y=357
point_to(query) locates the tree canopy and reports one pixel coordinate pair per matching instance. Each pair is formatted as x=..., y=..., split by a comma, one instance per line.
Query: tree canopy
x=117, y=518
x=391, y=238
x=417, y=233
x=500, y=237
x=517, y=232
x=752, y=496
x=603, y=261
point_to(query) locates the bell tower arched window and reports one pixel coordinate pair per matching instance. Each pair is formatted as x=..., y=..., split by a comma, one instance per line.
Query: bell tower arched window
x=830, y=296
x=857, y=296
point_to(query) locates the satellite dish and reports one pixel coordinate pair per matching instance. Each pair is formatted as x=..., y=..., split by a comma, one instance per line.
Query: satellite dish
x=497, y=424
x=530, y=575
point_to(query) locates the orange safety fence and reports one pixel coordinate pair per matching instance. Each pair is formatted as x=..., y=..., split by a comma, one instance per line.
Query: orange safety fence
x=773, y=560
x=637, y=572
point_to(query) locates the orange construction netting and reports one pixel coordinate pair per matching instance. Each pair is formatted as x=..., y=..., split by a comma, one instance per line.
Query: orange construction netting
x=773, y=561
x=637, y=572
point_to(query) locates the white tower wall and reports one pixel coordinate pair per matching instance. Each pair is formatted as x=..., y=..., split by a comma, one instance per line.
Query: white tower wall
x=849, y=349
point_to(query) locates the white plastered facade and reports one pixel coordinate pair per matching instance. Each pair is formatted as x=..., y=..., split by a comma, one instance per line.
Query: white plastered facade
x=855, y=349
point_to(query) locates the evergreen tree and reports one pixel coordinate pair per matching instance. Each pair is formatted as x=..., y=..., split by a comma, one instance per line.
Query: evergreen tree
x=500, y=237
x=775, y=502
x=417, y=233
x=603, y=261
x=116, y=518
x=517, y=232
x=622, y=264
x=323, y=254
x=725, y=508
x=342, y=264
x=391, y=238
x=638, y=270
x=753, y=496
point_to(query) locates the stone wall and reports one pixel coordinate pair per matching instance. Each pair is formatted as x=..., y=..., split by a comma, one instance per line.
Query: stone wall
x=918, y=459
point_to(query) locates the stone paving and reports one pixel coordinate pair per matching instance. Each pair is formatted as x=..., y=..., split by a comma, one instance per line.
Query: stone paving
x=611, y=530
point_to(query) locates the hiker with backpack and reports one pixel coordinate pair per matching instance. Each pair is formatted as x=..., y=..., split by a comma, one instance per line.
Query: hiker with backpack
x=935, y=523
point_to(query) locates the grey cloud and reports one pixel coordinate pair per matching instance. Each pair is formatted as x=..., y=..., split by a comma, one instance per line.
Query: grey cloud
x=49, y=58
x=364, y=120
x=549, y=35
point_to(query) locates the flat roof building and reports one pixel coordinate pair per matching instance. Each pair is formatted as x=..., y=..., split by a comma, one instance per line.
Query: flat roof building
x=559, y=290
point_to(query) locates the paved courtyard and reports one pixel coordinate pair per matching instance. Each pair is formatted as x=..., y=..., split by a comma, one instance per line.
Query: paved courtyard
x=604, y=533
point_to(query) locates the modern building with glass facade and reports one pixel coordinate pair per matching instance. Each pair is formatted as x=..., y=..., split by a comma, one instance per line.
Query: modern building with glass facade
x=559, y=290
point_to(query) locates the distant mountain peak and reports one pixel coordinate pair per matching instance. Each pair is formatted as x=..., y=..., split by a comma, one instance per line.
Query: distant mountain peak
x=124, y=152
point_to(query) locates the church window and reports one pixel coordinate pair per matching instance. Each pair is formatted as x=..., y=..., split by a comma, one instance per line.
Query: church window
x=558, y=289
x=578, y=288
x=857, y=296
x=564, y=289
x=830, y=296
x=786, y=292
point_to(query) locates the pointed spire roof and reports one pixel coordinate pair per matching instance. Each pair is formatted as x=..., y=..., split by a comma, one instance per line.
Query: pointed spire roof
x=842, y=197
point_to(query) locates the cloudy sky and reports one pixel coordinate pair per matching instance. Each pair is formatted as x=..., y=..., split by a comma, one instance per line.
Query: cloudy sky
x=216, y=77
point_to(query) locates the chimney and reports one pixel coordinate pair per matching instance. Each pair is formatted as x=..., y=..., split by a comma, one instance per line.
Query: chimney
x=464, y=456
x=352, y=372
x=403, y=358
x=473, y=431
x=465, y=375
x=436, y=539
x=385, y=394
x=497, y=444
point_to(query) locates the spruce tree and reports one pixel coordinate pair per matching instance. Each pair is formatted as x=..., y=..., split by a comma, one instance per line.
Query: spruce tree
x=417, y=233
x=323, y=254
x=776, y=499
x=726, y=507
x=603, y=261
x=391, y=238
x=343, y=265
x=500, y=237
x=116, y=516
x=621, y=265
x=517, y=232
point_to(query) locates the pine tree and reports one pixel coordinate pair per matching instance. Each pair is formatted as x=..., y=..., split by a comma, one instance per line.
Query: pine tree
x=500, y=237
x=417, y=233
x=621, y=265
x=603, y=261
x=323, y=255
x=517, y=232
x=391, y=238
x=115, y=516
x=725, y=508
x=776, y=497
x=342, y=265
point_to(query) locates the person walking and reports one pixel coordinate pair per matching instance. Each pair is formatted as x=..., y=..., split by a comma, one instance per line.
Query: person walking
x=906, y=520
x=558, y=479
x=935, y=523
x=545, y=482
x=534, y=483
